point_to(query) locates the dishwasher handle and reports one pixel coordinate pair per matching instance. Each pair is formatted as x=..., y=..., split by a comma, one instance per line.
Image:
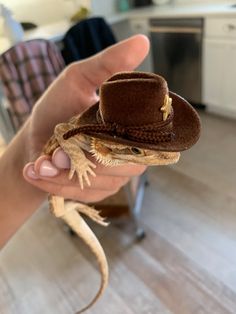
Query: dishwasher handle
x=174, y=29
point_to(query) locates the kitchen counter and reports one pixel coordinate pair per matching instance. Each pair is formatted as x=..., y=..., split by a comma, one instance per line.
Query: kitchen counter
x=56, y=30
x=167, y=11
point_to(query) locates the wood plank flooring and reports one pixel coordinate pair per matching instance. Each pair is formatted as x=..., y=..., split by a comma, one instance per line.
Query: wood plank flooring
x=185, y=265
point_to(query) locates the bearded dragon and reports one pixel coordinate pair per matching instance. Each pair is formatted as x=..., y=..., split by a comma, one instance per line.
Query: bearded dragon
x=108, y=153
x=137, y=120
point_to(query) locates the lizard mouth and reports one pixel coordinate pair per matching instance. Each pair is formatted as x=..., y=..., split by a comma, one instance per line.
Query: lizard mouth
x=153, y=158
x=166, y=158
x=111, y=154
x=104, y=154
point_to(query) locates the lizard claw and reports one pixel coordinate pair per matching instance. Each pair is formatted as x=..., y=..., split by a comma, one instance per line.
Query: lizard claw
x=71, y=173
x=83, y=171
x=80, y=164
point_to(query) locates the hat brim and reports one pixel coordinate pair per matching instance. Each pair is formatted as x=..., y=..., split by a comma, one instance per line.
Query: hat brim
x=186, y=127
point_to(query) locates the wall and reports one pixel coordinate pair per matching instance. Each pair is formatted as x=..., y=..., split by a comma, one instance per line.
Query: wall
x=47, y=11
x=104, y=7
x=43, y=11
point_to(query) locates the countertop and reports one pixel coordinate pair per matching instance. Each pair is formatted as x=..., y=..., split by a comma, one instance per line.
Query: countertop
x=216, y=10
x=56, y=30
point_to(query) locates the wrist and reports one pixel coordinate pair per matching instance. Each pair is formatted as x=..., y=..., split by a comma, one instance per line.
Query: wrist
x=18, y=198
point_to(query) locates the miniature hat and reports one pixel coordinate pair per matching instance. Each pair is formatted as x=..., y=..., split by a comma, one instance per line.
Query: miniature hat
x=137, y=109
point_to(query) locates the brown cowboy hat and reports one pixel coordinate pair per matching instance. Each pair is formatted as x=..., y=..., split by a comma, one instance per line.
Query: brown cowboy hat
x=137, y=109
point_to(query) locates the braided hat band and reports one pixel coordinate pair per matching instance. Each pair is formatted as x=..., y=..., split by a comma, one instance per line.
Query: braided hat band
x=148, y=133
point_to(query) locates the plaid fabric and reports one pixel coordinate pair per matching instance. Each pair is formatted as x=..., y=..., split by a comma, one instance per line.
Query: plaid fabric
x=26, y=70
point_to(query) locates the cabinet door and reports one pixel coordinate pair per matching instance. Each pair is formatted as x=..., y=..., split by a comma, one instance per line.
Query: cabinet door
x=141, y=26
x=230, y=77
x=214, y=55
x=219, y=73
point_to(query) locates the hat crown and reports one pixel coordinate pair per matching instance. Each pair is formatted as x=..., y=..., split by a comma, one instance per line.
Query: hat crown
x=133, y=99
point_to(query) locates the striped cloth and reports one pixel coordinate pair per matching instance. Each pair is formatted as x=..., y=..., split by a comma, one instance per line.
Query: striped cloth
x=26, y=70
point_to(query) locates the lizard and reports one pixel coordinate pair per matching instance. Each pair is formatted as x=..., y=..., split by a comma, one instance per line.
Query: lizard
x=108, y=154
x=75, y=138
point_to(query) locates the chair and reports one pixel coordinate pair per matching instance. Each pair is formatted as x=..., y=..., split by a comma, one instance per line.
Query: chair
x=26, y=70
x=86, y=38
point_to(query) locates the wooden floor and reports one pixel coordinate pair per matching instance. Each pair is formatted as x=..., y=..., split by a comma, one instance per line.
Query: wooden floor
x=185, y=265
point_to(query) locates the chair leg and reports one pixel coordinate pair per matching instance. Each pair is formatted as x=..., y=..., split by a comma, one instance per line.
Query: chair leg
x=136, y=205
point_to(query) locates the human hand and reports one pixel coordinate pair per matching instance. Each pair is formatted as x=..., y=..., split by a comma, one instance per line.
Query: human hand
x=73, y=92
x=51, y=175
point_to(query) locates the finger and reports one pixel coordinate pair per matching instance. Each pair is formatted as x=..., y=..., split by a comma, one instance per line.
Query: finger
x=81, y=79
x=69, y=192
x=60, y=159
x=128, y=54
x=125, y=170
x=92, y=72
x=45, y=168
x=101, y=182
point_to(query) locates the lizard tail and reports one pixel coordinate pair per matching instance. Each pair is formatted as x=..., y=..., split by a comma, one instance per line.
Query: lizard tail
x=77, y=223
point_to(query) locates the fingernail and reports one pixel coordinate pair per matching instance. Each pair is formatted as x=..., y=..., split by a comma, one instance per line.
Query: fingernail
x=31, y=173
x=61, y=159
x=47, y=169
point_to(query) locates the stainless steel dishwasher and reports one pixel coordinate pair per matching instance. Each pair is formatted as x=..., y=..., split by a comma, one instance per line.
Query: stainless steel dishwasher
x=177, y=55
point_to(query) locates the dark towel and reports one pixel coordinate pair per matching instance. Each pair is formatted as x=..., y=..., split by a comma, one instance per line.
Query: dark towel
x=86, y=38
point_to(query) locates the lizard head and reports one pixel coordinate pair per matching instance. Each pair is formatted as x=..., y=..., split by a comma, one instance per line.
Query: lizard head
x=110, y=153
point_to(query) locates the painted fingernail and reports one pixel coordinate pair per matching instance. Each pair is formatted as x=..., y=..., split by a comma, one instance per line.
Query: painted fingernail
x=61, y=159
x=31, y=173
x=47, y=169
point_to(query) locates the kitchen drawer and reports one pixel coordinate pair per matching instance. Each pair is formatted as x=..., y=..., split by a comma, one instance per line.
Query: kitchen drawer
x=220, y=27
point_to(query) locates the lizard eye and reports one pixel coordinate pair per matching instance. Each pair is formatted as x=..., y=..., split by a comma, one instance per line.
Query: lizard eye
x=136, y=151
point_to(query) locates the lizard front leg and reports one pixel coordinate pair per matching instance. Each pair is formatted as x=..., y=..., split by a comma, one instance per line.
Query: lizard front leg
x=80, y=164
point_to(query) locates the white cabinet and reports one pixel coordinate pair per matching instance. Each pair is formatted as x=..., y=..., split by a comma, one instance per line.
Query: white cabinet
x=141, y=26
x=219, y=65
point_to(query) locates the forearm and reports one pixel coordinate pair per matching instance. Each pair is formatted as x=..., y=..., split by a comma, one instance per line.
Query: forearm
x=18, y=198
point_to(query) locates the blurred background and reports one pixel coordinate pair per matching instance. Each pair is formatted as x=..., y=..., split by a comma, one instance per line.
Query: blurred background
x=171, y=245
